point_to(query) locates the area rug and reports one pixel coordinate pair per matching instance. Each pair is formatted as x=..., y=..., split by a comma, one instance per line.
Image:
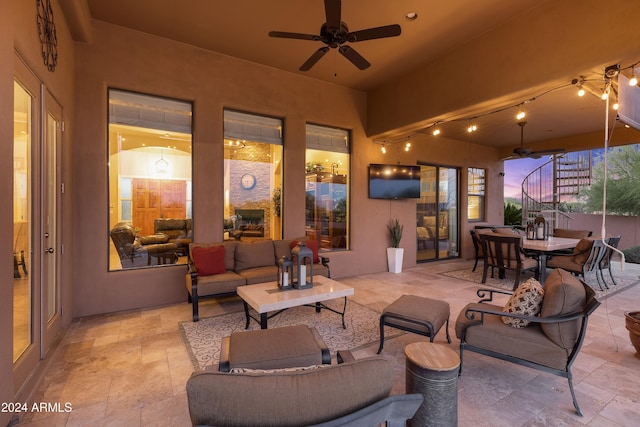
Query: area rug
x=507, y=283
x=202, y=339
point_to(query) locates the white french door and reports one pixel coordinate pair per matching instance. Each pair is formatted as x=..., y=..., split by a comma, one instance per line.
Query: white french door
x=36, y=199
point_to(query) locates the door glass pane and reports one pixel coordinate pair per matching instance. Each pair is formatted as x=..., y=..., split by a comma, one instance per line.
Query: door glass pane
x=252, y=176
x=22, y=125
x=150, y=175
x=437, y=213
x=50, y=216
x=326, y=197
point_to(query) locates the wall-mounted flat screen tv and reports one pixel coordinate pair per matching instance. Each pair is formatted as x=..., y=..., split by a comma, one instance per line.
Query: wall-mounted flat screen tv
x=394, y=181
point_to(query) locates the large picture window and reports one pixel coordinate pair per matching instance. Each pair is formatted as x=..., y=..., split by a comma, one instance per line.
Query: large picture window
x=252, y=176
x=327, y=189
x=150, y=174
x=475, y=194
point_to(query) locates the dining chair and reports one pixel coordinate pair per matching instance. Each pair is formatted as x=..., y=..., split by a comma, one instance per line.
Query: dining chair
x=605, y=262
x=505, y=253
x=477, y=245
x=586, y=258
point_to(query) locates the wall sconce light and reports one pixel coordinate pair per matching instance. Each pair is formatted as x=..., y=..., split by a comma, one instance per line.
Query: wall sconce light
x=162, y=166
x=501, y=174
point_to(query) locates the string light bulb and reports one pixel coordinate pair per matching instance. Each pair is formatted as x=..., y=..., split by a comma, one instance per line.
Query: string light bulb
x=472, y=128
x=384, y=149
x=580, y=91
x=407, y=146
x=521, y=115
x=633, y=81
x=436, y=132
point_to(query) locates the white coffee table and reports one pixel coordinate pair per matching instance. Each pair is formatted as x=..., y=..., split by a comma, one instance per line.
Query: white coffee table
x=267, y=297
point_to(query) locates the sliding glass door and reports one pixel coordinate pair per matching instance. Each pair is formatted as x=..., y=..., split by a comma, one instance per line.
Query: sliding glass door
x=437, y=216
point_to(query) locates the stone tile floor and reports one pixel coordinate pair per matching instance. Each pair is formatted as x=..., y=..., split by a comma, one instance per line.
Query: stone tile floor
x=130, y=369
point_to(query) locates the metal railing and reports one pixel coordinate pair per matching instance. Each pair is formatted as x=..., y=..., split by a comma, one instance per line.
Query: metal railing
x=543, y=189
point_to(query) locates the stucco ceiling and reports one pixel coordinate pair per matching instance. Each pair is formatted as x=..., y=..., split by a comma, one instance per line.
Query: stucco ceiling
x=240, y=28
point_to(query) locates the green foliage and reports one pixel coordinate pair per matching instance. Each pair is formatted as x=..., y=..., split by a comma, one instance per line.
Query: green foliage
x=395, y=229
x=512, y=214
x=623, y=183
x=632, y=254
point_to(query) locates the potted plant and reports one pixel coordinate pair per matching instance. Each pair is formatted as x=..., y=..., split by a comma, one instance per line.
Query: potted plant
x=632, y=322
x=395, y=252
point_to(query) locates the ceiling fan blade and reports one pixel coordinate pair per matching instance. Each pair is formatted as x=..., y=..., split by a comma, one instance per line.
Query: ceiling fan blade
x=314, y=58
x=299, y=36
x=333, y=11
x=538, y=154
x=375, y=33
x=353, y=56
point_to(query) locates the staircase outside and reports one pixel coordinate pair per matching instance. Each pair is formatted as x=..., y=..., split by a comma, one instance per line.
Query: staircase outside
x=555, y=181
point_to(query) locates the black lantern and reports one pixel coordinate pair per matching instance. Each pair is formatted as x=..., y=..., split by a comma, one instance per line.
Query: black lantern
x=531, y=231
x=285, y=273
x=541, y=228
x=303, y=257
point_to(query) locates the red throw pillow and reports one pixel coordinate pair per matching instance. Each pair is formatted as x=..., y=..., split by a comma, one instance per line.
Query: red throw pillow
x=311, y=244
x=208, y=260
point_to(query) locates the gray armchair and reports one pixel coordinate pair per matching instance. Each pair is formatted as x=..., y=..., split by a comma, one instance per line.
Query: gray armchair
x=550, y=343
x=354, y=393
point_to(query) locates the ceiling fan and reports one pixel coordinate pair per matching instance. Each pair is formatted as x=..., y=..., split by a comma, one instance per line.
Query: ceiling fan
x=523, y=152
x=334, y=34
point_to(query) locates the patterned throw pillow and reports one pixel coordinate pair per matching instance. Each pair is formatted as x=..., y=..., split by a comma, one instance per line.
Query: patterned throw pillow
x=526, y=300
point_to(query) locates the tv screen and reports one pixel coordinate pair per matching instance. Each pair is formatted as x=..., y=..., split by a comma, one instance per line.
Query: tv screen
x=394, y=181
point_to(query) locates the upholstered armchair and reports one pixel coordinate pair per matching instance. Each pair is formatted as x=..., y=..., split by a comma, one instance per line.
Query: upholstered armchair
x=541, y=333
x=140, y=251
x=178, y=231
x=353, y=393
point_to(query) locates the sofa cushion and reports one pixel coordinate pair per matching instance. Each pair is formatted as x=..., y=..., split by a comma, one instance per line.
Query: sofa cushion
x=225, y=283
x=153, y=239
x=296, y=398
x=282, y=248
x=209, y=260
x=264, y=274
x=229, y=252
x=526, y=300
x=563, y=294
x=259, y=253
x=311, y=244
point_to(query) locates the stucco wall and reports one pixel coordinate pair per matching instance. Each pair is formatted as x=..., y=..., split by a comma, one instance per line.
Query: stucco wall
x=135, y=61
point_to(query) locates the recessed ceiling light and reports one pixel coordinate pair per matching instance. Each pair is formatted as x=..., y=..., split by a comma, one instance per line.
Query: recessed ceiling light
x=411, y=16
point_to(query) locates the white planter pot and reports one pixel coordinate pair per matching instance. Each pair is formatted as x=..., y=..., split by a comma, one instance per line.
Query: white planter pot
x=394, y=259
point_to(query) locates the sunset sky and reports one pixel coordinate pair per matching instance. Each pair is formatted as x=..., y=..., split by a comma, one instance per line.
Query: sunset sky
x=516, y=170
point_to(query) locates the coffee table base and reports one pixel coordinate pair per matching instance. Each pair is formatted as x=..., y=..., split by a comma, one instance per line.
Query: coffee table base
x=264, y=317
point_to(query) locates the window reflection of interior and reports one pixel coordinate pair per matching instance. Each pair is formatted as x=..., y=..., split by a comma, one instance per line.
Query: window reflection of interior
x=150, y=177
x=475, y=194
x=327, y=198
x=252, y=190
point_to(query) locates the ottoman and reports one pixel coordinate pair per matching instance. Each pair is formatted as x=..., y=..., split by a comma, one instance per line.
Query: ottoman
x=419, y=315
x=277, y=348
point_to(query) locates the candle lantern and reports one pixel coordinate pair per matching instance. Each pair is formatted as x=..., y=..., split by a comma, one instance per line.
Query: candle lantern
x=303, y=260
x=285, y=273
x=541, y=229
x=531, y=231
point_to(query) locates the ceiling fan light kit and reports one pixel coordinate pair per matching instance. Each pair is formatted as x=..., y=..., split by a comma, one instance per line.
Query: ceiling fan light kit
x=334, y=34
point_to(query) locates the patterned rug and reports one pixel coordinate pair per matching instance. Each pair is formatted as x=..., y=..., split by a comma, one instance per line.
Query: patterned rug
x=623, y=282
x=202, y=339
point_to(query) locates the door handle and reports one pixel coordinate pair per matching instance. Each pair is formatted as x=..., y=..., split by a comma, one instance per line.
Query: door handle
x=49, y=250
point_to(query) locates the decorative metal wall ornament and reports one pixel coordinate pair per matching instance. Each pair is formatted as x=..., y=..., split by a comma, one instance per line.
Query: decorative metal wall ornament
x=47, y=33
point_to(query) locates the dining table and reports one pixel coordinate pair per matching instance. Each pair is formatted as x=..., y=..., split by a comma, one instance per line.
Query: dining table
x=543, y=247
